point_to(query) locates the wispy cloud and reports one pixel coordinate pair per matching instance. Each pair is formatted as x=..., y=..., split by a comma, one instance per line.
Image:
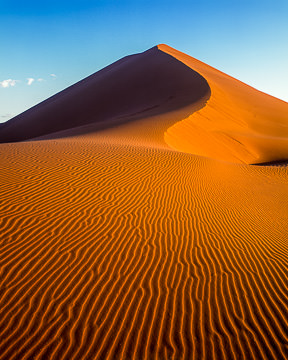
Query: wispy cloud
x=5, y=117
x=7, y=83
x=30, y=81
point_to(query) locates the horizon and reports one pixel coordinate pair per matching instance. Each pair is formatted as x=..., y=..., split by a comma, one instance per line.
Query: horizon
x=51, y=47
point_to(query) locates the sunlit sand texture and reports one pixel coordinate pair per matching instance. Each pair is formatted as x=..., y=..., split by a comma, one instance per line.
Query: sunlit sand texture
x=134, y=224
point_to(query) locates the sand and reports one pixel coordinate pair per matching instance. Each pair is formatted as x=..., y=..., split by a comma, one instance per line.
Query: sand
x=146, y=234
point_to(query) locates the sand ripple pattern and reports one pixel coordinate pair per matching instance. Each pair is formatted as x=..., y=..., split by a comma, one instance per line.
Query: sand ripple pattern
x=114, y=251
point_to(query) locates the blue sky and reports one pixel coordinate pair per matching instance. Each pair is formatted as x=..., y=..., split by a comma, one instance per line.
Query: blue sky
x=49, y=45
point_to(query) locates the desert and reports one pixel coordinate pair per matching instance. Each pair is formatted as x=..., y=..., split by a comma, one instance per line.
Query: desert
x=144, y=216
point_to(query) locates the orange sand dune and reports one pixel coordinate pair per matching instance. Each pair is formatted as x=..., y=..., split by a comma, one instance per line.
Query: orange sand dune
x=127, y=239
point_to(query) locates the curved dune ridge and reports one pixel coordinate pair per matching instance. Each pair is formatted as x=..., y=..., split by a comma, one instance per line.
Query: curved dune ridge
x=239, y=124
x=116, y=94
x=120, y=240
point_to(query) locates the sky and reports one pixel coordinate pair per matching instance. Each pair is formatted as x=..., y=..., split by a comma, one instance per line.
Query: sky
x=46, y=46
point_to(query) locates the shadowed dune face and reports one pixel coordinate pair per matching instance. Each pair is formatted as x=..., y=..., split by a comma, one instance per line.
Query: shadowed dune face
x=116, y=245
x=137, y=86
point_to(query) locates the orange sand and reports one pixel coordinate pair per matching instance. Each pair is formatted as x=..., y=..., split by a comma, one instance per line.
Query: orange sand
x=149, y=239
x=239, y=124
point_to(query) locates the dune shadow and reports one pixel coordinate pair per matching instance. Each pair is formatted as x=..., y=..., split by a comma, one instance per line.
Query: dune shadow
x=273, y=163
x=137, y=86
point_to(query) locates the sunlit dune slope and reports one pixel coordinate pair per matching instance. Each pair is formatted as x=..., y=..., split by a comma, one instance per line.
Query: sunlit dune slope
x=136, y=86
x=118, y=241
x=239, y=124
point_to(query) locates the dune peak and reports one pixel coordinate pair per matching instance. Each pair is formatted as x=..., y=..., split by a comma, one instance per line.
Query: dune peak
x=225, y=119
x=137, y=86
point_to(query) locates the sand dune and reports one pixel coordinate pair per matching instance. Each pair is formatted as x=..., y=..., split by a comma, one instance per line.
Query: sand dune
x=123, y=241
x=116, y=94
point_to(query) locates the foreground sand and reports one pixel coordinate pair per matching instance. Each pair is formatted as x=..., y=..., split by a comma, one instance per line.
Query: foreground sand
x=115, y=244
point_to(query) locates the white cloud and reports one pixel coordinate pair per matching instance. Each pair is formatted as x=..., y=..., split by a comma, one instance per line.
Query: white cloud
x=30, y=81
x=7, y=83
x=6, y=116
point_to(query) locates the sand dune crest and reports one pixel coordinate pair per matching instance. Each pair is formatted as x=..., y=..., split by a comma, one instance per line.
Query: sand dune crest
x=239, y=124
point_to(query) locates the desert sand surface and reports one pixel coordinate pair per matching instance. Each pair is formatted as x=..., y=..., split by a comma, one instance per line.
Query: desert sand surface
x=134, y=224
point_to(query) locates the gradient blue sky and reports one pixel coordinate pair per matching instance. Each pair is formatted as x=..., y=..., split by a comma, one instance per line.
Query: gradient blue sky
x=57, y=43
